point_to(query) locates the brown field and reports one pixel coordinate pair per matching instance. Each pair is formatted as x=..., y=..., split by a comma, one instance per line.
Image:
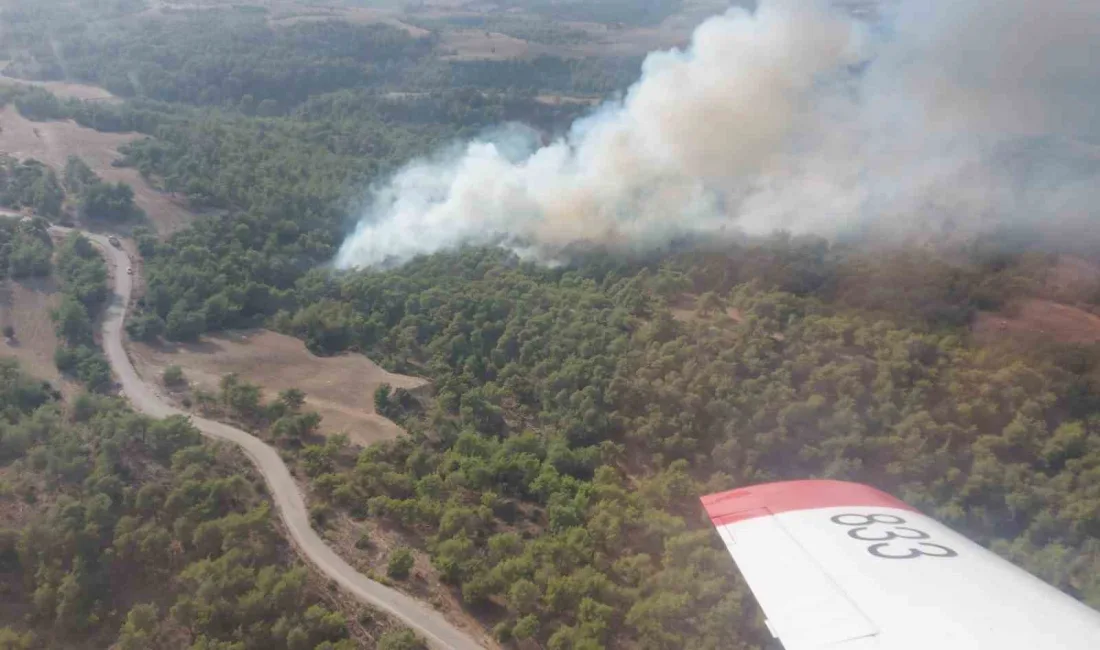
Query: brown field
x=684, y=308
x=340, y=388
x=560, y=100
x=1037, y=319
x=1072, y=279
x=53, y=142
x=25, y=305
x=356, y=15
x=63, y=89
x=476, y=44
x=603, y=40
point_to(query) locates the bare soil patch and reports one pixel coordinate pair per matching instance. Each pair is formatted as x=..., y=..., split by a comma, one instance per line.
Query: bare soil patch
x=1073, y=279
x=477, y=44
x=685, y=309
x=53, y=142
x=340, y=388
x=64, y=89
x=567, y=100
x=290, y=14
x=26, y=305
x=1039, y=319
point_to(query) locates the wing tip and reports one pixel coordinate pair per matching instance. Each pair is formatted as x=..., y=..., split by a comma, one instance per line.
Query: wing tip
x=740, y=504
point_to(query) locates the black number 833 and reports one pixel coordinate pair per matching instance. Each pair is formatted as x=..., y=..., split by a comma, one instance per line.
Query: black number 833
x=890, y=538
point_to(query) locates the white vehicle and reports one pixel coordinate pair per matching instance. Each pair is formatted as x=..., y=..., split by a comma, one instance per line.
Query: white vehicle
x=846, y=567
x=129, y=270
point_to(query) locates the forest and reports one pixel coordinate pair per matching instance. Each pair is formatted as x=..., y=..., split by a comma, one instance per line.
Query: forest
x=553, y=478
x=26, y=249
x=30, y=184
x=97, y=199
x=133, y=534
x=82, y=274
x=551, y=475
x=233, y=59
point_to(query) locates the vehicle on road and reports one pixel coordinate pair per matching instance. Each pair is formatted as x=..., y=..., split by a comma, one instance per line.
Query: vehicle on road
x=129, y=270
x=114, y=241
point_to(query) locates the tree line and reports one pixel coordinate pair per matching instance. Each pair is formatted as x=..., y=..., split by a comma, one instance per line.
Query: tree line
x=26, y=249
x=98, y=199
x=82, y=275
x=134, y=534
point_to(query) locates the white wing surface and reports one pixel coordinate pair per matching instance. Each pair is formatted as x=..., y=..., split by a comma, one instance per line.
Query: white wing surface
x=847, y=567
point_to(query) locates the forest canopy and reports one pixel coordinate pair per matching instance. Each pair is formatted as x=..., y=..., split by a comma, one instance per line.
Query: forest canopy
x=135, y=535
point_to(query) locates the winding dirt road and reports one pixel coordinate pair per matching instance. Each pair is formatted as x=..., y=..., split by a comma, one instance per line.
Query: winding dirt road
x=439, y=633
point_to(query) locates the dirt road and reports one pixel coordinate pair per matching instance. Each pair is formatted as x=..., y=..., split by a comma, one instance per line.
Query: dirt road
x=440, y=634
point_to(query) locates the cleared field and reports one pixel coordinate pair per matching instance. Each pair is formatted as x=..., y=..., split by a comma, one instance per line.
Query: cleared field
x=600, y=39
x=53, y=142
x=356, y=15
x=1073, y=279
x=685, y=309
x=26, y=305
x=561, y=100
x=340, y=388
x=476, y=44
x=63, y=89
x=1039, y=319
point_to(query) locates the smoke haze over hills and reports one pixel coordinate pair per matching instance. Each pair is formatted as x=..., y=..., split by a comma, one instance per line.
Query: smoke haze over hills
x=794, y=117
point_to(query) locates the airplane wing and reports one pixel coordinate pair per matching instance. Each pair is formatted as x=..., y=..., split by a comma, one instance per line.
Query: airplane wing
x=846, y=567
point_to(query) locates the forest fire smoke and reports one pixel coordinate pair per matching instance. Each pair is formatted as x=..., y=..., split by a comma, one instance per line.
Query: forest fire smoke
x=792, y=116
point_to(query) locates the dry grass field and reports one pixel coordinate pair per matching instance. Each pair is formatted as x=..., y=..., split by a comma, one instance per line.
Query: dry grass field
x=25, y=305
x=53, y=142
x=340, y=388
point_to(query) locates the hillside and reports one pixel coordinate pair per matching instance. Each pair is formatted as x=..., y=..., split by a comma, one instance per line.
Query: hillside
x=120, y=531
x=340, y=389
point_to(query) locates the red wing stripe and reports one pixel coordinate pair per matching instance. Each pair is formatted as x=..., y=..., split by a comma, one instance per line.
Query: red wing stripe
x=773, y=498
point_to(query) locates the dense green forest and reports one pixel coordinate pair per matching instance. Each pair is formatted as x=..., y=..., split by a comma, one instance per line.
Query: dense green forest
x=82, y=274
x=30, y=184
x=236, y=60
x=132, y=534
x=242, y=60
x=25, y=248
x=98, y=199
x=576, y=421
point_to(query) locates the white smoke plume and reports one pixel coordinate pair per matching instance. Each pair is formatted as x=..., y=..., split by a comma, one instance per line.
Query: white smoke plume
x=792, y=116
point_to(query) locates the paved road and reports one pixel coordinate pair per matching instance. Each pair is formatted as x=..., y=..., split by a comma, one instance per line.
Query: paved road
x=439, y=633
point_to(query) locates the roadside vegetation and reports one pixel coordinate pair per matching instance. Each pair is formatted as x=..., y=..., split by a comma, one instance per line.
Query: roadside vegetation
x=83, y=279
x=30, y=185
x=133, y=534
x=96, y=199
x=26, y=249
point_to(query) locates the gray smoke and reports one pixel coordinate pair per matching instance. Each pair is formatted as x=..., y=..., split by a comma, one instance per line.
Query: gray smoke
x=792, y=116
